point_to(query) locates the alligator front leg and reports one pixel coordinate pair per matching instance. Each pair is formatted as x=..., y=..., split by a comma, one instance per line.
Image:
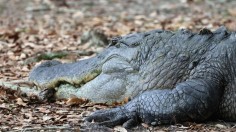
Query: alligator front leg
x=193, y=100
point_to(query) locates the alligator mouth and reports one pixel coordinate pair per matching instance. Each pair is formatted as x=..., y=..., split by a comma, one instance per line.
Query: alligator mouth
x=86, y=79
x=55, y=75
x=78, y=82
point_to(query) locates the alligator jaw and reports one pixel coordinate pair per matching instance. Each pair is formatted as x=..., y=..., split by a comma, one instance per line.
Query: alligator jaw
x=53, y=73
x=112, y=84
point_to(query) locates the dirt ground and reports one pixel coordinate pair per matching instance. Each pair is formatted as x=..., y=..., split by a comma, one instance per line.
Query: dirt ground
x=32, y=31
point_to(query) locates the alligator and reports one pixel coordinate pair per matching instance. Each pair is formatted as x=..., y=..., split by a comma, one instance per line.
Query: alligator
x=169, y=77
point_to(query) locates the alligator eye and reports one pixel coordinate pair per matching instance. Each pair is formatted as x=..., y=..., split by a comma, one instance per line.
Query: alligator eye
x=193, y=64
x=202, y=51
x=114, y=41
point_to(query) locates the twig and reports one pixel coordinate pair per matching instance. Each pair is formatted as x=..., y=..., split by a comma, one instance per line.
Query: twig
x=51, y=128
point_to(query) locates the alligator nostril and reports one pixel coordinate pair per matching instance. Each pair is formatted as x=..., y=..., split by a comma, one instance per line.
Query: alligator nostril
x=202, y=51
x=193, y=64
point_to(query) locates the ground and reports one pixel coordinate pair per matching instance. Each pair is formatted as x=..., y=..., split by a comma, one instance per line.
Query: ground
x=32, y=31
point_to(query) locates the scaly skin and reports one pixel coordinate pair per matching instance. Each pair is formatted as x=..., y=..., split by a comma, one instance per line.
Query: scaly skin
x=173, y=77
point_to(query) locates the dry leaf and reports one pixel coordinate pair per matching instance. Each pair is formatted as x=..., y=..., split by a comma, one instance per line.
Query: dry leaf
x=3, y=105
x=232, y=11
x=125, y=100
x=19, y=101
x=120, y=129
x=43, y=110
x=62, y=111
x=46, y=117
x=144, y=125
x=220, y=126
x=76, y=101
x=3, y=94
x=28, y=117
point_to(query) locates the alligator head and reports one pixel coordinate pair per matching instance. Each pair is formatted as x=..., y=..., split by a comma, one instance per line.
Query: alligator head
x=109, y=76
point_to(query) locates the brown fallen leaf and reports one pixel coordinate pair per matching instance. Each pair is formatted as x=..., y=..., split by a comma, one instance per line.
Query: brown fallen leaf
x=43, y=110
x=3, y=105
x=124, y=101
x=144, y=125
x=232, y=11
x=62, y=111
x=59, y=117
x=3, y=94
x=20, y=102
x=75, y=101
x=28, y=117
x=46, y=117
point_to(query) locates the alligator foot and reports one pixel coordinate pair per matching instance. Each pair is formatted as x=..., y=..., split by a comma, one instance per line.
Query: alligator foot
x=113, y=117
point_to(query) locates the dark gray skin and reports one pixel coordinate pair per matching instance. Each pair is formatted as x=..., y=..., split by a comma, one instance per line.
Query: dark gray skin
x=172, y=76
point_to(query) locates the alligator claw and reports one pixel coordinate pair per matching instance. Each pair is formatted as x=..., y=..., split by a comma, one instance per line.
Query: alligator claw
x=112, y=117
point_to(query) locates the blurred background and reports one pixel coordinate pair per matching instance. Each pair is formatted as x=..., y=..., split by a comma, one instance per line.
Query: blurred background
x=35, y=30
x=69, y=30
